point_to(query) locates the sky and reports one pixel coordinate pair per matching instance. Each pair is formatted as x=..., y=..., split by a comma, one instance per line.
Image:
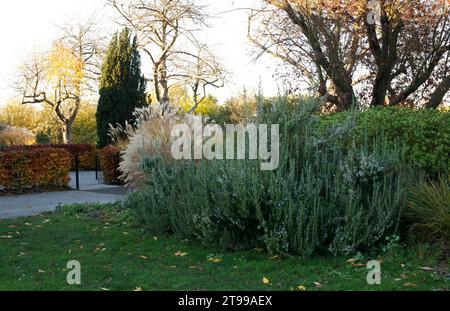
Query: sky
x=27, y=25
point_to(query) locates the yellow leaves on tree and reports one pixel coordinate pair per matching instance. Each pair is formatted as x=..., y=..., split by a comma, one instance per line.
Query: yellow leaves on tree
x=65, y=69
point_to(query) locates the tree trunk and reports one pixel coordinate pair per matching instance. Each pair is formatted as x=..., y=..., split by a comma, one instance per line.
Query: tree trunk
x=439, y=93
x=67, y=133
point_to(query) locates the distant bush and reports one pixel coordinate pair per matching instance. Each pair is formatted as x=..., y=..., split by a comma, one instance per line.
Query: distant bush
x=326, y=195
x=13, y=136
x=35, y=169
x=427, y=212
x=425, y=133
x=109, y=163
x=86, y=153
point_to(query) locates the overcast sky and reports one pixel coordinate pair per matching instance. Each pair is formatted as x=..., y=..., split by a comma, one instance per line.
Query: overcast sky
x=29, y=24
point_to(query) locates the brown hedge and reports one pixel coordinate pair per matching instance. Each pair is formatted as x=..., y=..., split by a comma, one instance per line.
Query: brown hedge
x=34, y=169
x=85, y=152
x=109, y=160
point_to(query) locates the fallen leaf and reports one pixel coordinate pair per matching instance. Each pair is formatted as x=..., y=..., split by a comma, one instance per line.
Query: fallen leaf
x=409, y=285
x=155, y=238
x=6, y=237
x=41, y=271
x=104, y=289
x=426, y=269
x=125, y=233
x=397, y=280
x=144, y=257
x=173, y=267
x=301, y=288
x=180, y=254
x=317, y=284
x=215, y=260
x=46, y=221
x=138, y=289
x=266, y=281
x=274, y=257
x=352, y=260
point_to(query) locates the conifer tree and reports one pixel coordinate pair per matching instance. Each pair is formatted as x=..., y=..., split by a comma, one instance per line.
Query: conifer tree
x=122, y=85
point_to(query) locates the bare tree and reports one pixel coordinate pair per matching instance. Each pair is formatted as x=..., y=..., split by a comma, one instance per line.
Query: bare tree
x=166, y=30
x=343, y=55
x=54, y=79
x=85, y=41
x=61, y=77
x=199, y=71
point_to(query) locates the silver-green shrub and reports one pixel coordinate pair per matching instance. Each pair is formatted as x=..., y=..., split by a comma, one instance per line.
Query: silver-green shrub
x=327, y=194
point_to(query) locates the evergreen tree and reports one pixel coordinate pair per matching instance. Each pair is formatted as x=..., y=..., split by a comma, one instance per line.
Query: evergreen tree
x=122, y=86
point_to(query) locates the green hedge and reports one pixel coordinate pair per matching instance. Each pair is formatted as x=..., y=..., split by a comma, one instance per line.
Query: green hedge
x=425, y=133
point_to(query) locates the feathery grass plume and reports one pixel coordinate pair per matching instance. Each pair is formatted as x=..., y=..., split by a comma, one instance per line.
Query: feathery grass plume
x=148, y=136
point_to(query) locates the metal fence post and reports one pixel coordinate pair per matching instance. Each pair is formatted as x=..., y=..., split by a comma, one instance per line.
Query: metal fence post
x=77, y=171
x=96, y=166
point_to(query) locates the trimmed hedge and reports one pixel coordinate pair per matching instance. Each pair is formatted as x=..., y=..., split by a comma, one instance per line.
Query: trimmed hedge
x=34, y=169
x=85, y=152
x=425, y=133
x=109, y=160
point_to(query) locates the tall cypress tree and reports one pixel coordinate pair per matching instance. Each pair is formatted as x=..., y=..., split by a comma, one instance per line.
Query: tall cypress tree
x=122, y=85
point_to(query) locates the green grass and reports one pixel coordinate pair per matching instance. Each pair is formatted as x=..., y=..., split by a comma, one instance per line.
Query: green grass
x=115, y=255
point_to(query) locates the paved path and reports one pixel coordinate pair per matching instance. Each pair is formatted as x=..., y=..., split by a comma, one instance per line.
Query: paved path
x=34, y=204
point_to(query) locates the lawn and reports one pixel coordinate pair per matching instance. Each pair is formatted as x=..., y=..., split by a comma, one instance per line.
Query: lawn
x=115, y=255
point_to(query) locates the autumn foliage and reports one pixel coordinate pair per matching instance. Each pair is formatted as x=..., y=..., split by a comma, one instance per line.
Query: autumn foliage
x=109, y=163
x=85, y=152
x=34, y=169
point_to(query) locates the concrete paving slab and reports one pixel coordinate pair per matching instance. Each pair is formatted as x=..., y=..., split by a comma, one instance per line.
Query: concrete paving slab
x=36, y=204
x=91, y=191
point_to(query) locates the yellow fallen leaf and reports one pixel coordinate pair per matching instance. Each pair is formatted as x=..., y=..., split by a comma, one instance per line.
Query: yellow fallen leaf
x=426, y=269
x=138, y=289
x=301, y=288
x=215, y=260
x=274, y=257
x=180, y=254
x=125, y=233
x=266, y=281
x=144, y=257
x=104, y=289
x=41, y=271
